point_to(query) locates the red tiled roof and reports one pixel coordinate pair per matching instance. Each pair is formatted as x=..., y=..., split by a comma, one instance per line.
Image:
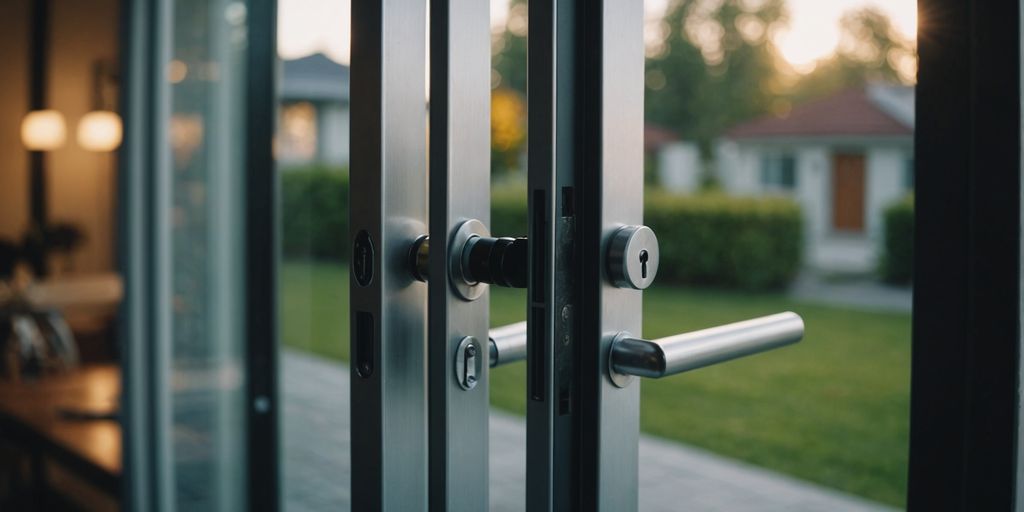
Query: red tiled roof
x=846, y=113
x=655, y=137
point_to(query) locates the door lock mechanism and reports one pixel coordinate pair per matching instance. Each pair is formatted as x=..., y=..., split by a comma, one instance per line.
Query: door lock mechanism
x=468, y=362
x=476, y=260
x=633, y=257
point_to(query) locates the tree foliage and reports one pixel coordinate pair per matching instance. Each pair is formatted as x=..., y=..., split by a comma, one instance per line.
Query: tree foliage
x=508, y=97
x=712, y=64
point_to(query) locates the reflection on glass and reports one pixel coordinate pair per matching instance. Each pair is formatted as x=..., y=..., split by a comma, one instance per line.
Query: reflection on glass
x=207, y=87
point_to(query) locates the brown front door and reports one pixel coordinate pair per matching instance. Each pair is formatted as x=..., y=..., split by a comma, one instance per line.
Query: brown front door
x=848, y=193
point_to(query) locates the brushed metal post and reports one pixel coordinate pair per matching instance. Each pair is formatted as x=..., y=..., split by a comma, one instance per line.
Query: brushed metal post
x=460, y=92
x=388, y=210
x=613, y=85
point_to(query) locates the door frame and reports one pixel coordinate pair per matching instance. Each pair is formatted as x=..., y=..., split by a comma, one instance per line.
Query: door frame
x=967, y=308
x=966, y=327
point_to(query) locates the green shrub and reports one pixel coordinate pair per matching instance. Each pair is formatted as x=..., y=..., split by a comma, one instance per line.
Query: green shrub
x=713, y=239
x=314, y=213
x=897, y=261
x=508, y=210
x=709, y=239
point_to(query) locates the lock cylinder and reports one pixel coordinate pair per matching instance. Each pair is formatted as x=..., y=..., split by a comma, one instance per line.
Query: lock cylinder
x=477, y=259
x=498, y=261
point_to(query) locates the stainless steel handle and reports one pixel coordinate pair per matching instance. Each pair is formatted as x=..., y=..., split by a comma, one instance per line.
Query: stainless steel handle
x=692, y=350
x=508, y=344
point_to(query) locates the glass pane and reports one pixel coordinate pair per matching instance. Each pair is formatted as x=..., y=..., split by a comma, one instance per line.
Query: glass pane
x=312, y=161
x=796, y=120
x=203, y=259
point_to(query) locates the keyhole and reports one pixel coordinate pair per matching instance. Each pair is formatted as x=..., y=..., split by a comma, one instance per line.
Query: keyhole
x=643, y=263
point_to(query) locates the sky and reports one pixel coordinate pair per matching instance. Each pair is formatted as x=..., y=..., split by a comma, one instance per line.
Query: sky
x=308, y=26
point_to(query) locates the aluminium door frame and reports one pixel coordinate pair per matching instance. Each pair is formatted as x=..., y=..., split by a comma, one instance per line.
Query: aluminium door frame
x=460, y=191
x=387, y=212
x=967, y=288
x=586, y=168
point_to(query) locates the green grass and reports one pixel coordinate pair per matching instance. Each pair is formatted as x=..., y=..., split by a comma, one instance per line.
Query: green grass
x=833, y=409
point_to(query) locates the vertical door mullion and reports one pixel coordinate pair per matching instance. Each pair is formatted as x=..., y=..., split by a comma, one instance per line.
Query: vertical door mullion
x=388, y=211
x=611, y=172
x=459, y=191
x=261, y=211
x=552, y=393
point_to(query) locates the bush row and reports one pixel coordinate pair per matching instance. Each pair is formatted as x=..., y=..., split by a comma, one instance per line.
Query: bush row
x=707, y=240
x=897, y=261
x=712, y=240
x=314, y=213
x=752, y=243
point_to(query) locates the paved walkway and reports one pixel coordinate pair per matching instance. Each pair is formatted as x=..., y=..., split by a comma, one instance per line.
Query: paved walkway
x=673, y=477
x=863, y=293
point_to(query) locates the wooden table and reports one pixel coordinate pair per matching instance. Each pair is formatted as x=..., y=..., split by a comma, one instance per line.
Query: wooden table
x=31, y=414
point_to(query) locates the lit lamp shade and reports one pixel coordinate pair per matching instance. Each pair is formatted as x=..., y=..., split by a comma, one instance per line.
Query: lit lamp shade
x=43, y=130
x=100, y=130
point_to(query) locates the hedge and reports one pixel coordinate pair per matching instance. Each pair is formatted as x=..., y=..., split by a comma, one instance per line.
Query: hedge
x=897, y=261
x=314, y=213
x=710, y=239
x=713, y=239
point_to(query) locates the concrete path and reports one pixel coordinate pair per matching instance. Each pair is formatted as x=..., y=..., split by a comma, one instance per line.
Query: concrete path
x=863, y=293
x=673, y=477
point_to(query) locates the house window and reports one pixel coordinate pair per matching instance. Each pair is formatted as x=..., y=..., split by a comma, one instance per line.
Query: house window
x=297, y=137
x=778, y=171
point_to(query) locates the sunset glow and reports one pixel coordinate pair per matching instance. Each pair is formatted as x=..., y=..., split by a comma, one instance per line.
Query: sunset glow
x=308, y=26
x=813, y=31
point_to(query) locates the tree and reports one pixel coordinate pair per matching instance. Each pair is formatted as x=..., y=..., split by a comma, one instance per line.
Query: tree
x=713, y=66
x=508, y=80
x=870, y=50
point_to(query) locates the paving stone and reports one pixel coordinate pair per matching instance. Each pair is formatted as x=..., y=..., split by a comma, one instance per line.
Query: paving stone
x=316, y=466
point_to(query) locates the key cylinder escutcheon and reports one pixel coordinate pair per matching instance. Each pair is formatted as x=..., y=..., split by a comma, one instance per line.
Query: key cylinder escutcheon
x=633, y=257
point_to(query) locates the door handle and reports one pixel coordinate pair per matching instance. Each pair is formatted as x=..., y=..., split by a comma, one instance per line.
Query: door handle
x=688, y=351
x=507, y=344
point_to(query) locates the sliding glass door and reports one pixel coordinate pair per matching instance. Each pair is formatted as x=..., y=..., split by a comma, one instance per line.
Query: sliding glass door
x=196, y=190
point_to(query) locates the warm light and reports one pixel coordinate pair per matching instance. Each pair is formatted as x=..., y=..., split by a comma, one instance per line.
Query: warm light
x=43, y=130
x=100, y=130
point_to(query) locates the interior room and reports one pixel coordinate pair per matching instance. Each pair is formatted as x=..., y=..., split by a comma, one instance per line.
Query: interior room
x=60, y=441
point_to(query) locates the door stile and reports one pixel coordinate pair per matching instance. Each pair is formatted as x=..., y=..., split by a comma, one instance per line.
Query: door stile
x=388, y=210
x=460, y=43
x=610, y=38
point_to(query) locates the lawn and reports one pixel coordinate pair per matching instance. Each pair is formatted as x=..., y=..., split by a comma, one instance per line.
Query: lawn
x=833, y=409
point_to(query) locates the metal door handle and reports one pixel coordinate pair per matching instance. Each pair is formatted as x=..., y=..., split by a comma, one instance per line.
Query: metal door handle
x=692, y=350
x=507, y=344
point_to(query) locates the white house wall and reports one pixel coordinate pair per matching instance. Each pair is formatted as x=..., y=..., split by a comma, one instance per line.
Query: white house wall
x=885, y=184
x=739, y=171
x=333, y=121
x=679, y=167
x=813, y=179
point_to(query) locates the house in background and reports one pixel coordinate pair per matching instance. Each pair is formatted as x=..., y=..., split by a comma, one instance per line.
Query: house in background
x=843, y=158
x=314, y=110
x=676, y=163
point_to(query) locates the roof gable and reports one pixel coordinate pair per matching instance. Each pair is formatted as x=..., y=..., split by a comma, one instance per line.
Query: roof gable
x=315, y=78
x=854, y=112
